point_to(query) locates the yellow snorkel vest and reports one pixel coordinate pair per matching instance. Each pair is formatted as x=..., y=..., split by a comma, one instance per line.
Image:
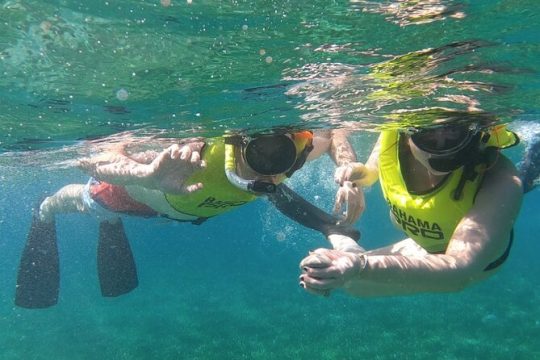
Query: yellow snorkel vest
x=430, y=219
x=218, y=195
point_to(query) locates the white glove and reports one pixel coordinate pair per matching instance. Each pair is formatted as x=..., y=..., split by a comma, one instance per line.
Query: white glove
x=324, y=270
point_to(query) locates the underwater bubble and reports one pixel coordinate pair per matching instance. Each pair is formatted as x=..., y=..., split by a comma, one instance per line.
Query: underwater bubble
x=122, y=94
x=526, y=130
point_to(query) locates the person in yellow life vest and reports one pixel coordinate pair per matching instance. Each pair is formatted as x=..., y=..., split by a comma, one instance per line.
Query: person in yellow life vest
x=191, y=180
x=453, y=194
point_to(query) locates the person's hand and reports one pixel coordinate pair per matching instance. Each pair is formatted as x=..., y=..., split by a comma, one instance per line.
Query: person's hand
x=353, y=198
x=169, y=171
x=356, y=172
x=324, y=270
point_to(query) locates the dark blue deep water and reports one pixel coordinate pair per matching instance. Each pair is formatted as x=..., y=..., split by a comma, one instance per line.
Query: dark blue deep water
x=228, y=289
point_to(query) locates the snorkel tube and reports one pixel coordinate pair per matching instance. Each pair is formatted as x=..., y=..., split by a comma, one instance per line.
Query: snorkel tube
x=254, y=186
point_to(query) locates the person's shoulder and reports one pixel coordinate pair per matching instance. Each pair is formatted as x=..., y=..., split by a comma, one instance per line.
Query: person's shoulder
x=321, y=144
x=503, y=164
x=503, y=174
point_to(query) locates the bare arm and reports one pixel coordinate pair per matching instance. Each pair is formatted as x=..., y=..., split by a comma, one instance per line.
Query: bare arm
x=116, y=167
x=344, y=156
x=341, y=151
x=480, y=238
x=335, y=143
x=166, y=170
x=352, y=176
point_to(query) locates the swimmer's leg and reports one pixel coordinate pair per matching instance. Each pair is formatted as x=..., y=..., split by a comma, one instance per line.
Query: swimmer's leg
x=38, y=279
x=116, y=267
x=69, y=199
x=117, y=271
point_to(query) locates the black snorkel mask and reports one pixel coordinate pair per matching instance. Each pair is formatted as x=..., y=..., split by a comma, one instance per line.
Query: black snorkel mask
x=267, y=155
x=448, y=147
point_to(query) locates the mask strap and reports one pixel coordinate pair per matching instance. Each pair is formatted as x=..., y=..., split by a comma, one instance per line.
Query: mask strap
x=301, y=159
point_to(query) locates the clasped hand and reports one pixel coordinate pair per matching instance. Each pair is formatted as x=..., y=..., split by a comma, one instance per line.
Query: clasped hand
x=324, y=270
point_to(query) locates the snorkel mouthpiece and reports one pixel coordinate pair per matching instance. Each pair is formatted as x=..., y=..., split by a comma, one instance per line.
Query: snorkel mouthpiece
x=262, y=187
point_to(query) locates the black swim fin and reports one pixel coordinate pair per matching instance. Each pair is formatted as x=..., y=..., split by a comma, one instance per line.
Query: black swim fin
x=38, y=280
x=302, y=211
x=117, y=271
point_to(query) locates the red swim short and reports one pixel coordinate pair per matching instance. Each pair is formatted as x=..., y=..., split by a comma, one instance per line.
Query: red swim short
x=115, y=198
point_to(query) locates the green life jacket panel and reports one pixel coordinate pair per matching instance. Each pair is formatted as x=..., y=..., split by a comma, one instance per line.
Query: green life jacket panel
x=218, y=195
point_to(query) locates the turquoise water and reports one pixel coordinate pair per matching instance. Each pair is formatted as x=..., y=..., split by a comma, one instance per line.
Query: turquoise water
x=228, y=289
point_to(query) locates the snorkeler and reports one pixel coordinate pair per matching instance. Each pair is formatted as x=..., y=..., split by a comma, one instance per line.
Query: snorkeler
x=454, y=195
x=190, y=181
